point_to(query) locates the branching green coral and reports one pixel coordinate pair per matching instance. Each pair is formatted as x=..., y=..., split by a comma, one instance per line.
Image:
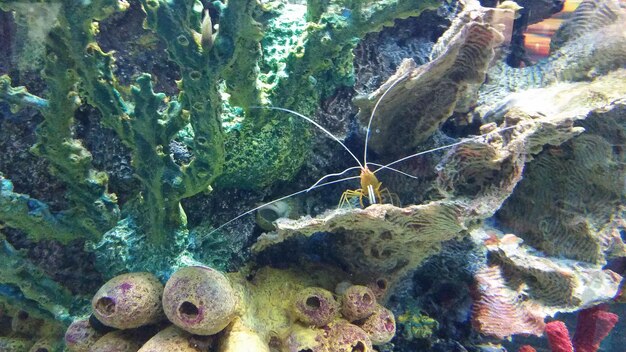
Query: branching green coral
x=34, y=217
x=272, y=146
x=27, y=286
x=268, y=147
x=19, y=97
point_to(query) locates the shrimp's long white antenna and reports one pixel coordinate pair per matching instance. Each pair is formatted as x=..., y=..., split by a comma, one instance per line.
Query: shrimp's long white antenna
x=369, y=123
x=278, y=200
x=314, y=123
x=475, y=138
x=332, y=175
x=380, y=166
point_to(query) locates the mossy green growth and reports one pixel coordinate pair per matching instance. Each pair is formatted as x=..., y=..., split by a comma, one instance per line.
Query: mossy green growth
x=127, y=248
x=303, y=63
x=415, y=325
x=15, y=344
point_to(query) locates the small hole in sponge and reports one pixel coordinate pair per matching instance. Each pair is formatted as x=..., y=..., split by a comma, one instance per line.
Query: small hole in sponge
x=306, y=350
x=367, y=299
x=42, y=350
x=382, y=284
x=105, y=306
x=313, y=302
x=359, y=347
x=389, y=324
x=188, y=310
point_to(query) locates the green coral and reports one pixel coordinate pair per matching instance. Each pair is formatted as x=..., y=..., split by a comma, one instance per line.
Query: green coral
x=415, y=325
x=24, y=285
x=315, y=59
x=35, y=218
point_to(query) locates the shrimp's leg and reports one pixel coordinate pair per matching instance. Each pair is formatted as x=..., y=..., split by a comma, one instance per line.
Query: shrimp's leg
x=350, y=194
x=394, y=199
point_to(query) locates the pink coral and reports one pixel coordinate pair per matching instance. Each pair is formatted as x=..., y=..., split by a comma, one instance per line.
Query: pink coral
x=558, y=337
x=594, y=324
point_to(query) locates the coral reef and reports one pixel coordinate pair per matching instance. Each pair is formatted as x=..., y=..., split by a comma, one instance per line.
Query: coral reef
x=594, y=324
x=124, y=157
x=589, y=45
x=24, y=285
x=246, y=314
x=389, y=241
x=460, y=56
x=584, y=223
x=519, y=288
x=175, y=26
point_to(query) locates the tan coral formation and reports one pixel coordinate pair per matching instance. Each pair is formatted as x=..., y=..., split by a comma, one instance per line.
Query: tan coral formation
x=520, y=287
x=386, y=240
x=571, y=195
x=588, y=45
x=421, y=98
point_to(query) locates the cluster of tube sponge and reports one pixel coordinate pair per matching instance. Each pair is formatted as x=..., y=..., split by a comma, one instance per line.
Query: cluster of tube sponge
x=146, y=316
x=352, y=324
x=135, y=312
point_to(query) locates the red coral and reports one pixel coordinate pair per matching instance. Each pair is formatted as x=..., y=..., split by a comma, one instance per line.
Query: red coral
x=558, y=337
x=594, y=324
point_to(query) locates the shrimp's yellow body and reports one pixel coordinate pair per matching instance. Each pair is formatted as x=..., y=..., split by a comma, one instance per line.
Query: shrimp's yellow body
x=370, y=188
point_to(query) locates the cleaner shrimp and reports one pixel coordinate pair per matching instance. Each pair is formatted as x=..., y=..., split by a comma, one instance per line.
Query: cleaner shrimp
x=371, y=188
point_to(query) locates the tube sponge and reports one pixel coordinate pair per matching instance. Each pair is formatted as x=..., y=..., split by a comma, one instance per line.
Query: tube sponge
x=80, y=336
x=558, y=337
x=358, y=302
x=46, y=345
x=346, y=337
x=199, y=300
x=380, y=326
x=174, y=339
x=119, y=341
x=315, y=306
x=129, y=301
x=594, y=324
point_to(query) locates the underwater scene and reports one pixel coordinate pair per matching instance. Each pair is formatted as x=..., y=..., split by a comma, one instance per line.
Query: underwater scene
x=312, y=175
